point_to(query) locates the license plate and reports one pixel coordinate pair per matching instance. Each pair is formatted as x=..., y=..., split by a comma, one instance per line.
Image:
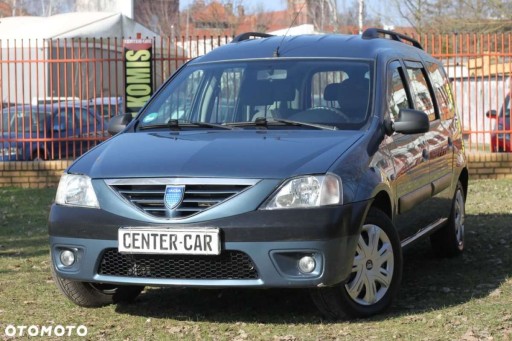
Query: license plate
x=169, y=241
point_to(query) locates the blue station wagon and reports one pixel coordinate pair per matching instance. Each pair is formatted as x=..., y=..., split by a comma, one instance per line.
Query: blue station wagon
x=58, y=130
x=271, y=162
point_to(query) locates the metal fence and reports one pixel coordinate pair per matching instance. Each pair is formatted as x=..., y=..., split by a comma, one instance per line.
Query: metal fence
x=480, y=67
x=58, y=95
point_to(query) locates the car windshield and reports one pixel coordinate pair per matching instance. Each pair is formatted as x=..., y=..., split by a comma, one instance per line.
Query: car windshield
x=24, y=119
x=331, y=92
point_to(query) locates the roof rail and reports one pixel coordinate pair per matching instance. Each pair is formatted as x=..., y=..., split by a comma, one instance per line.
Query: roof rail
x=372, y=33
x=248, y=35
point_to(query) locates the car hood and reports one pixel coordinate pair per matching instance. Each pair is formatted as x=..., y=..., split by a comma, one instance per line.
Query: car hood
x=231, y=154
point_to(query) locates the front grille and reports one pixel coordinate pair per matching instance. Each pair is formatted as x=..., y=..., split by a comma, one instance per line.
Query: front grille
x=196, y=198
x=227, y=265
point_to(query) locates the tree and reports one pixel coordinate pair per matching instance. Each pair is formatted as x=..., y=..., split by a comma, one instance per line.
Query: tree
x=323, y=14
x=262, y=20
x=160, y=16
x=348, y=17
x=40, y=7
x=456, y=16
x=213, y=17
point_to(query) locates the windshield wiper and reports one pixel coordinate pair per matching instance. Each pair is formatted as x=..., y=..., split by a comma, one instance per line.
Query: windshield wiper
x=176, y=125
x=209, y=125
x=305, y=124
x=263, y=122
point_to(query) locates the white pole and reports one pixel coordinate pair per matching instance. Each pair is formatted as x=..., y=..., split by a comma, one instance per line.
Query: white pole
x=361, y=10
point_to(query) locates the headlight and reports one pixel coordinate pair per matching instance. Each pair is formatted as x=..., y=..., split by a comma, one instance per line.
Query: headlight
x=76, y=190
x=306, y=191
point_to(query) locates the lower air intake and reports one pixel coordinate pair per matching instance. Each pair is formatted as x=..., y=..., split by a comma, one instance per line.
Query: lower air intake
x=227, y=265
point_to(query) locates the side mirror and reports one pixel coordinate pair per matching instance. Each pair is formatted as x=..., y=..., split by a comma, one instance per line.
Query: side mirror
x=491, y=114
x=409, y=121
x=118, y=123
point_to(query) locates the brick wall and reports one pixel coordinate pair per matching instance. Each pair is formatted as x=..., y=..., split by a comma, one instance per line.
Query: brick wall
x=47, y=173
x=490, y=166
x=37, y=174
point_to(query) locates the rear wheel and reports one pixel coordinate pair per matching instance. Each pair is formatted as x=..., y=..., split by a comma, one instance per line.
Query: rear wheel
x=90, y=295
x=449, y=240
x=38, y=155
x=376, y=273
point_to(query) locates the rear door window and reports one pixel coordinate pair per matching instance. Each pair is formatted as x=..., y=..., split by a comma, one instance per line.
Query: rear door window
x=420, y=89
x=442, y=90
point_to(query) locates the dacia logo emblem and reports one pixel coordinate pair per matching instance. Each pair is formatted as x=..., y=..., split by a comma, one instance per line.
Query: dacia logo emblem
x=173, y=196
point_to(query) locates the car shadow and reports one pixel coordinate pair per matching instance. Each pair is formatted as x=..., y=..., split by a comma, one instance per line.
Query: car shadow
x=429, y=283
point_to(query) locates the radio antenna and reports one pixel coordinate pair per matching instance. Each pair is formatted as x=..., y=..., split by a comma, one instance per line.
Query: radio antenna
x=276, y=52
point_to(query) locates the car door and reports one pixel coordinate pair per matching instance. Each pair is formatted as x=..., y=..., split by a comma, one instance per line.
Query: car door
x=65, y=129
x=74, y=130
x=444, y=134
x=439, y=142
x=409, y=154
x=91, y=129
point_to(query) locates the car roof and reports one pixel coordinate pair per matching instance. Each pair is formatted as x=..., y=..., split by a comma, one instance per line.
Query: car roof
x=319, y=46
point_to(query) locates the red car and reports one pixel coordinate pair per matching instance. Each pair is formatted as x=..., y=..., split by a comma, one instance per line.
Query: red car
x=500, y=137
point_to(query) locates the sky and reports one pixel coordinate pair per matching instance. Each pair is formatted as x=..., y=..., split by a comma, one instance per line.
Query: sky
x=374, y=8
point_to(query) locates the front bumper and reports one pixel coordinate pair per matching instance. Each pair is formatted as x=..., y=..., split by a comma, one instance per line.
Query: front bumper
x=272, y=241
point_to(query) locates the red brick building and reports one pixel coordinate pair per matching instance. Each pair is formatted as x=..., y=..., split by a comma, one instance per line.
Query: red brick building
x=214, y=18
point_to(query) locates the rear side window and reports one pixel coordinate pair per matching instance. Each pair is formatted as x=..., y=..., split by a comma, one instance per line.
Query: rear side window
x=420, y=90
x=442, y=91
x=85, y=118
x=65, y=118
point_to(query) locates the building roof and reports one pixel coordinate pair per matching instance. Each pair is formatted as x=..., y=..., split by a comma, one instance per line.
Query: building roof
x=72, y=25
x=212, y=12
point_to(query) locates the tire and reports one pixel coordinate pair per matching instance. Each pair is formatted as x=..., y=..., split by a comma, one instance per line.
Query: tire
x=448, y=241
x=93, y=295
x=377, y=264
x=38, y=155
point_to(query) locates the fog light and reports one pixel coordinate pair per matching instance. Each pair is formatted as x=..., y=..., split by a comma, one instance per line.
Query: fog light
x=307, y=264
x=67, y=257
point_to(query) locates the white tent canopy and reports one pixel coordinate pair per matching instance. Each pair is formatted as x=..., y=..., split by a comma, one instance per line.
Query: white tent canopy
x=72, y=25
x=35, y=61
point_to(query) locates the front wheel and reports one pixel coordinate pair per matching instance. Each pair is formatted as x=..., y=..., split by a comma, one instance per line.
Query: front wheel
x=376, y=273
x=86, y=294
